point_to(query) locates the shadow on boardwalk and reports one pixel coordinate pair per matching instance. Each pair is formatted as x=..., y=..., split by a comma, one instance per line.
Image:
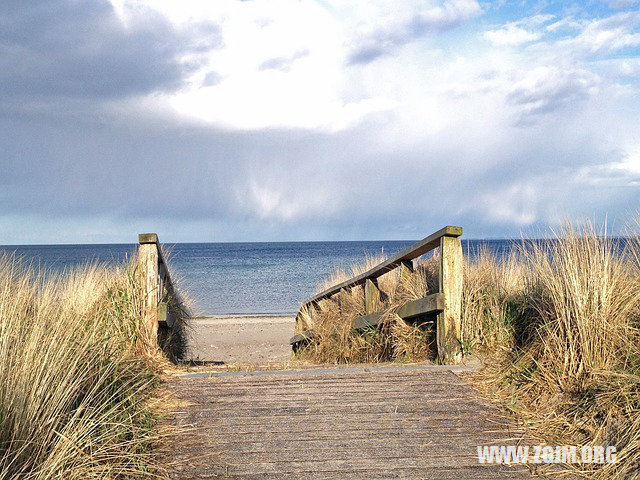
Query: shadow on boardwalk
x=346, y=423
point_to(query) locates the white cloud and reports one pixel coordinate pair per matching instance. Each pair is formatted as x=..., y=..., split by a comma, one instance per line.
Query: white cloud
x=606, y=35
x=566, y=23
x=619, y=174
x=286, y=64
x=275, y=201
x=516, y=33
x=511, y=35
x=514, y=204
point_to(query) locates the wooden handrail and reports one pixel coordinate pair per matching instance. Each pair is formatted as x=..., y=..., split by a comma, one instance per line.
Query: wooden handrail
x=446, y=304
x=161, y=299
x=414, y=251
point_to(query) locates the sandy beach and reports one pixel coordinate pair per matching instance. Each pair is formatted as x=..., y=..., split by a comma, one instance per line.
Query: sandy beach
x=242, y=338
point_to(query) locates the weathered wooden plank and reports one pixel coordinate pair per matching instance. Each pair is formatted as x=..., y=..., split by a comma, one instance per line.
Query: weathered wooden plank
x=457, y=436
x=334, y=399
x=284, y=385
x=433, y=303
x=374, y=393
x=367, y=321
x=277, y=445
x=430, y=304
x=449, y=321
x=354, y=460
x=144, y=238
x=308, y=422
x=383, y=473
x=420, y=248
x=298, y=468
x=305, y=337
x=256, y=413
x=327, y=376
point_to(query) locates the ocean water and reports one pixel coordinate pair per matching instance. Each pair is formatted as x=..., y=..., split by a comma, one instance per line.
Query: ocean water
x=239, y=278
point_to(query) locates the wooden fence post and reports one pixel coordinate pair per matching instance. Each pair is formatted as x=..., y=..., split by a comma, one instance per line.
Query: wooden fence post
x=342, y=299
x=449, y=321
x=372, y=301
x=406, y=269
x=148, y=267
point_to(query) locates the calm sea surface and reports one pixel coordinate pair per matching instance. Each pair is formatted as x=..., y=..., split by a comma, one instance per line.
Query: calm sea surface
x=228, y=278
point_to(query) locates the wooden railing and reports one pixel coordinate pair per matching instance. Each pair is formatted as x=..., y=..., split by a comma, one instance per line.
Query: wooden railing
x=163, y=305
x=446, y=304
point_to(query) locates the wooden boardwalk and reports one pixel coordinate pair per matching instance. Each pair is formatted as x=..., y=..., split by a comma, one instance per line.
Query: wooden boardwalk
x=348, y=423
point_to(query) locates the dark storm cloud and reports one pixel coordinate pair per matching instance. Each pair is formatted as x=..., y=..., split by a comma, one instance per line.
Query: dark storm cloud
x=181, y=177
x=82, y=49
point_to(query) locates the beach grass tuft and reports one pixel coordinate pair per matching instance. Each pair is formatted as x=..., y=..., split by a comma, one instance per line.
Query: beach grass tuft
x=336, y=342
x=76, y=372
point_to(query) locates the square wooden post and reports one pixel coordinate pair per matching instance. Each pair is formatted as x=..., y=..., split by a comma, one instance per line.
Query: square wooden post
x=148, y=267
x=406, y=270
x=342, y=299
x=449, y=321
x=372, y=301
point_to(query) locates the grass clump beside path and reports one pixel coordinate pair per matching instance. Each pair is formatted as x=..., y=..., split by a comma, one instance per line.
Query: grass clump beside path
x=336, y=342
x=559, y=333
x=75, y=372
x=555, y=322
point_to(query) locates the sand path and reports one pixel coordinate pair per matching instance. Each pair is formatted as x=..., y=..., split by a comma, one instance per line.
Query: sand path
x=256, y=339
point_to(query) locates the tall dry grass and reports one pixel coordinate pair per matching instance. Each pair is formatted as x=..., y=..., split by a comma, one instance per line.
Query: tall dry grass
x=336, y=342
x=75, y=372
x=574, y=375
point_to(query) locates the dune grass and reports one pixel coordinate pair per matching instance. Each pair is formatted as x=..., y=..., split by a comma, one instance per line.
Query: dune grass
x=567, y=347
x=335, y=340
x=76, y=371
x=555, y=322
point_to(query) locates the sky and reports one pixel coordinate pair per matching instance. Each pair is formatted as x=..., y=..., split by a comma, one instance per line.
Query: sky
x=283, y=120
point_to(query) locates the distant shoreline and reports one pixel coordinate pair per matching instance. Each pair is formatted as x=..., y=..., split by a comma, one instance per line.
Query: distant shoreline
x=252, y=318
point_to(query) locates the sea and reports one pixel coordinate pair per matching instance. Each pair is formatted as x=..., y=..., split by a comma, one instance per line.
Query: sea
x=239, y=278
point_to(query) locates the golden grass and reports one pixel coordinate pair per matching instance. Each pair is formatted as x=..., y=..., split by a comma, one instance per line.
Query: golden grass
x=336, y=342
x=75, y=373
x=570, y=367
x=556, y=323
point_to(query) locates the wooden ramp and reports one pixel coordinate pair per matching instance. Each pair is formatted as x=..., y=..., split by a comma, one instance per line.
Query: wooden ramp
x=342, y=423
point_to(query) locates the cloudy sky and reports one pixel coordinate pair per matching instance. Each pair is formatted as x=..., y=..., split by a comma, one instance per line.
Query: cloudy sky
x=314, y=120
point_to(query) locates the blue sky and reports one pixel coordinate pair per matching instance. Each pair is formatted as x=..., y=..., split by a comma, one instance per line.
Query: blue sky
x=315, y=120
